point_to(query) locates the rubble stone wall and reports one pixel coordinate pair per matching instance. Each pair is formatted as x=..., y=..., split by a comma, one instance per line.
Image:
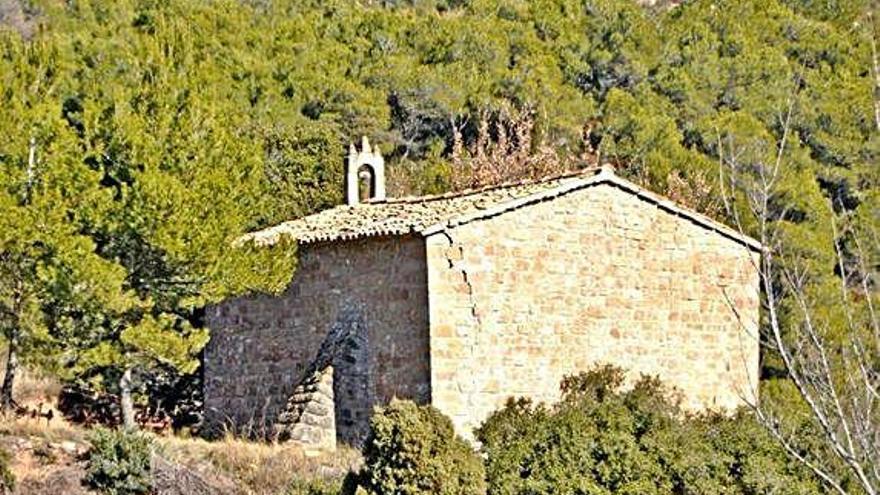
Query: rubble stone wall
x=519, y=300
x=263, y=346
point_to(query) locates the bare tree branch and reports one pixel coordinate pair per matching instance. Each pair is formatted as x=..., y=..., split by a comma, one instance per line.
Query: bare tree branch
x=833, y=364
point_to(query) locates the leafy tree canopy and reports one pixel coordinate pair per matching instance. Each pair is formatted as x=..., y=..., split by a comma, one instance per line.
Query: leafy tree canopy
x=142, y=136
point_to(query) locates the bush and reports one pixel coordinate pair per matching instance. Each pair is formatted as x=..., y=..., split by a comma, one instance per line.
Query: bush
x=414, y=450
x=315, y=487
x=7, y=479
x=119, y=462
x=602, y=439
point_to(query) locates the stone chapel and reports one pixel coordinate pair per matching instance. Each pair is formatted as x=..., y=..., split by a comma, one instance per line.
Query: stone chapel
x=462, y=300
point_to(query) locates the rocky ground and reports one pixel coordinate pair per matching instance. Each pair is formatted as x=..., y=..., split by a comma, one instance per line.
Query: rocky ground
x=44, y=465
x=48, y=456
x=49, y=459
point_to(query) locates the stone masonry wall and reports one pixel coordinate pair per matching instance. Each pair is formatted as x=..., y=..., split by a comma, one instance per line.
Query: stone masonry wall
x=519, y=300
x=262, y=346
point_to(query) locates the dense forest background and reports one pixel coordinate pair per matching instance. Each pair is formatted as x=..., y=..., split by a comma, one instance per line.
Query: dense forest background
x=141, y=137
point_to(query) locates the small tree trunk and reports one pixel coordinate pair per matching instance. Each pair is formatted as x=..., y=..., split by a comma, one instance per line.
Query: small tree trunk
x=125, y=400
x=875, y=64
x=6, y=401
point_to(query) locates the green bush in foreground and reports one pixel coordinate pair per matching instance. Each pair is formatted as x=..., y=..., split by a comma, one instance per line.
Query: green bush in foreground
x=119, y=462
x=414, y=450
x=601, y=439
x=315, y=487
x=7, y=479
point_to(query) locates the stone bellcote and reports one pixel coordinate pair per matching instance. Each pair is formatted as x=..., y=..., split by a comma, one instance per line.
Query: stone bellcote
x=365, y=174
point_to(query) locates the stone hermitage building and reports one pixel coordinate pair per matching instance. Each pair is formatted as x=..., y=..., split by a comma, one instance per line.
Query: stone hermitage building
x=463, y=300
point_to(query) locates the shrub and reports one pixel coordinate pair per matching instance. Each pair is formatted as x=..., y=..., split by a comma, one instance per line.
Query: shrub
x=315, y=487
x=119, y=462
x=602, y=439
x=7, y=479
x=414, y=450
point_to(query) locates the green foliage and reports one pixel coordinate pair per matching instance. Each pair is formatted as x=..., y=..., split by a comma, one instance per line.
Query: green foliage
x=604, y=439
x=7, y=477
x=119, y=462
x=162, y=130
x=316, y=487
x=123, y=184
x=413, y=450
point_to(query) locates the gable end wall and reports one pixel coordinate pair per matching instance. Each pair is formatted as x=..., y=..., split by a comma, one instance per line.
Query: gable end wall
x=519, y=300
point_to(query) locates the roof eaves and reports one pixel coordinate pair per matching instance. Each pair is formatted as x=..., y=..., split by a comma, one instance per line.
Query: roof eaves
x=353, y=235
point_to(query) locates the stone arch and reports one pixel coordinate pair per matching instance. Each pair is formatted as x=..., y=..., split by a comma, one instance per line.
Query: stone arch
x=366, y=177
x=365, y=159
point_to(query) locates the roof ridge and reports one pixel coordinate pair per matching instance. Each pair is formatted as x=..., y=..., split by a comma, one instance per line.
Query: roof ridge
x=479, y=190
x=427, y=215
x=605, y=174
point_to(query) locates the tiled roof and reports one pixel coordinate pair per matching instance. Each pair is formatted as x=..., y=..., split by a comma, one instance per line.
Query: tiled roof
x=430, y=214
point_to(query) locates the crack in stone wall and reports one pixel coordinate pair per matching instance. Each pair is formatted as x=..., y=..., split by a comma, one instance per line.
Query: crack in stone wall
x=456, y=259
x=456, y=262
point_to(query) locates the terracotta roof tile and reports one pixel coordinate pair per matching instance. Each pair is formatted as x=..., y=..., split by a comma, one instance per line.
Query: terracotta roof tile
x=398, y=216
x=430, y=214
